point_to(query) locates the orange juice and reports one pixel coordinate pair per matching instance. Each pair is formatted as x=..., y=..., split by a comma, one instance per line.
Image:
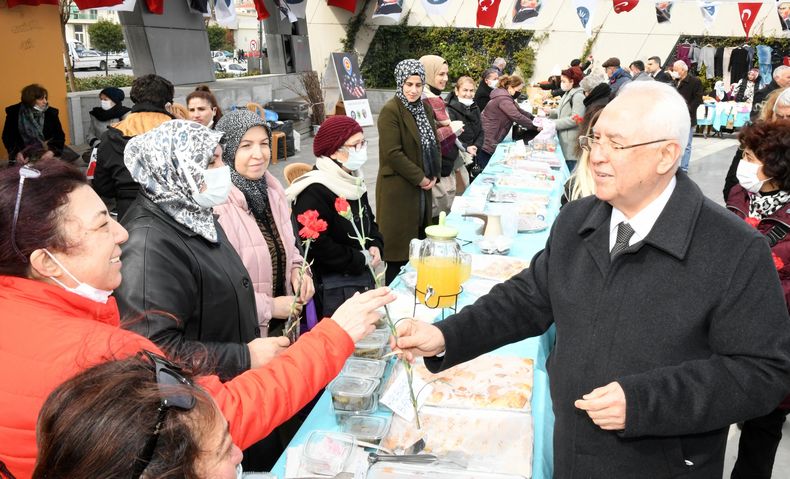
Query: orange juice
x=443, y=276
x=466, y=271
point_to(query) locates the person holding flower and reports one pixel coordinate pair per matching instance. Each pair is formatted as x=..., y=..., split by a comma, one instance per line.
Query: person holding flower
x=257, y=221
x=762, y=197
x=338, y=261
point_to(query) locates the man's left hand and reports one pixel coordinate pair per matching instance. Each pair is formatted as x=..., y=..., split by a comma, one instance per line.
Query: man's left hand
x=605, y=406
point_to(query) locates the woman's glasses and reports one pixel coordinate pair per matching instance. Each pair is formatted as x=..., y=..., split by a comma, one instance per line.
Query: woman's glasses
x=25, y=172
x=170, y=380
x=357, y=147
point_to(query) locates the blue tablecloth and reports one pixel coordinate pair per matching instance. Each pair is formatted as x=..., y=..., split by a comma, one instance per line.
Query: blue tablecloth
x=525, y=246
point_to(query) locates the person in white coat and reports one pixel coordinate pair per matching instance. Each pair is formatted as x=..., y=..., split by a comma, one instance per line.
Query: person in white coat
x=570, y=114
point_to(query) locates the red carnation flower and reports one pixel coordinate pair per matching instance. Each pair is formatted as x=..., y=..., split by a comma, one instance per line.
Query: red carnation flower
x=778, y=261
x=577, y=119
x=312, y=225
x=342, y=207
x=753, y=222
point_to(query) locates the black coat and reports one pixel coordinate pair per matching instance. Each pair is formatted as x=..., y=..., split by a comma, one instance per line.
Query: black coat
x=691, y=322
x=52, y=132
x=732, y=178
x=483, y=95
x=470, y=115
x=690, y=88
x=759, y=99
x=169, y=269
x=336, y=250
x=663, y=77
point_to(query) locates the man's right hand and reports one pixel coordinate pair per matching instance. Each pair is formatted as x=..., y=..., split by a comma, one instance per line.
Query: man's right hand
x=416, y=338
x=263, y=350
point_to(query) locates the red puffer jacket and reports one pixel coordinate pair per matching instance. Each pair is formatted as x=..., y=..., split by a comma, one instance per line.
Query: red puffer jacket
x=48, y=335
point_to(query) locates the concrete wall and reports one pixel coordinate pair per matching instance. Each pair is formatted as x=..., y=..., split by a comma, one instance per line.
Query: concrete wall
x=33, y=53
x=629, y=36
x=229, y=92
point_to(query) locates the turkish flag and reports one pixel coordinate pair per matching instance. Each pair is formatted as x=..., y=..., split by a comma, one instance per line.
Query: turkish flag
x=34, y=3
x=350, y=5
x=156, y=6
x=621, y=6
x=748, y=14
x=487, y=11
x=86, y=4
x=263, y=14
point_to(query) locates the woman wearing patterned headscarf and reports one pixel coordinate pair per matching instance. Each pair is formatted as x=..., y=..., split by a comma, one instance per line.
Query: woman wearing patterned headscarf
x=409, y=164
x=183, y=282
x=257, y=220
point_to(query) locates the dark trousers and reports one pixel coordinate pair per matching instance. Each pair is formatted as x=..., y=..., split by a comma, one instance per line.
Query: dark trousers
x=760, y=438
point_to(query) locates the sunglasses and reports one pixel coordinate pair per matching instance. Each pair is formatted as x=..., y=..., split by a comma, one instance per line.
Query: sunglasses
x=25, y=172
x=168, y=377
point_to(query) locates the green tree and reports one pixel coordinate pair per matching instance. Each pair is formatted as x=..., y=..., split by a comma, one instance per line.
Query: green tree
x=106, y=36
x=218, y=38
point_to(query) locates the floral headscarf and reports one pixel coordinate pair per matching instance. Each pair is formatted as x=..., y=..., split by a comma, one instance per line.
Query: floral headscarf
x=168, y=162
x=403, y=71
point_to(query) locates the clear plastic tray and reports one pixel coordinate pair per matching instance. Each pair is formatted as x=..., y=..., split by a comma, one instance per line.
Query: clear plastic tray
x=352, y=394
x=414, y=471
x=364, y=368
x=365, y=428
x=327, y=452
x=373, y=345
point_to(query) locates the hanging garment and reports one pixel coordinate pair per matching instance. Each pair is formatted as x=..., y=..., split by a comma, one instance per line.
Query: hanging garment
x=718, y=64
x=707, y=55
x=684, y=53
x=726, y=64
x=739, y=65
x=766, y=68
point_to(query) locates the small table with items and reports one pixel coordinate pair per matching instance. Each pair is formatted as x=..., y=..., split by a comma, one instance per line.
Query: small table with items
x=725, y=115
x=488, y=418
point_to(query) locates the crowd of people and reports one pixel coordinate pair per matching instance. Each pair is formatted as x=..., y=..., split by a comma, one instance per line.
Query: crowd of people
x=160, y=320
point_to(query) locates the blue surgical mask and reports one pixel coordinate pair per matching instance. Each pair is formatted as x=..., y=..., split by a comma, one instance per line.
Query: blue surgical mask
x=83, y=289
x=218, y=185
x=356, y=158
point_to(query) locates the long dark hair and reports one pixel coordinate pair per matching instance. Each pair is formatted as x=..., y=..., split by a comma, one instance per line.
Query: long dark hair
x=101, y=419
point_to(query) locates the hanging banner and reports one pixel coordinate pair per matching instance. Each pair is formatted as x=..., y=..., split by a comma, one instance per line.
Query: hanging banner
x=350, y=5
x=346, y=84
x=584, y=10
x=435, y=7
x=391, y=9
x=664, y=11
x=198, y=6
x=260, y=7
x=621, y=6
x=285, y=11
x=783, y=9
x=125, y=6
x=84, y=4
x=298, y=7
x=225, y=14
x=525, y=12
x=709, y=9
x=34, y=3
x=749, y=12
x=487, y=11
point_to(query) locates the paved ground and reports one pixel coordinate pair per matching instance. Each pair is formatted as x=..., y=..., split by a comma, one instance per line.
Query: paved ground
x=711, y=158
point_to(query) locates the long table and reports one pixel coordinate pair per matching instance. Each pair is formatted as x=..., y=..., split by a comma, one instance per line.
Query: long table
x=525, y=246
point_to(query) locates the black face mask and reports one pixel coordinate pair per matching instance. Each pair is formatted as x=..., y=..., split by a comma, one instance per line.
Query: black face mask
x=516, y=96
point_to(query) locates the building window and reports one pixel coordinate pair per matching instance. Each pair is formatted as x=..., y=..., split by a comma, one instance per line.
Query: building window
x=79, y=34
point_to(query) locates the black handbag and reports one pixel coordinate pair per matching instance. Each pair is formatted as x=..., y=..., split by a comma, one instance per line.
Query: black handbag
x=334, y=289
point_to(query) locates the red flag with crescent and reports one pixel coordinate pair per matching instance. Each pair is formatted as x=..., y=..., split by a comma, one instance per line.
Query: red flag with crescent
x=621, y=6
x=487, y=11
x=748, y=14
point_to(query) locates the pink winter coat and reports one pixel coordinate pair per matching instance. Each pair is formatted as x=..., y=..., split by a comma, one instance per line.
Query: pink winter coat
x=239, y=224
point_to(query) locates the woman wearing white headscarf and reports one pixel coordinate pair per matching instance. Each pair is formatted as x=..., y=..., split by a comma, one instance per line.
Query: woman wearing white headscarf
x=182, y=277
x=409, y=164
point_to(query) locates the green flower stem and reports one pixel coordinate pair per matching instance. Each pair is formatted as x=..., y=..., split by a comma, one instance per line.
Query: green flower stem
x=291, y=330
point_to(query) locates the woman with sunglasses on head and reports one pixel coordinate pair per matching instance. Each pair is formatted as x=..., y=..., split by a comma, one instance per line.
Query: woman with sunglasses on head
x=340, y=264
x=257, y=220
x=60, y=256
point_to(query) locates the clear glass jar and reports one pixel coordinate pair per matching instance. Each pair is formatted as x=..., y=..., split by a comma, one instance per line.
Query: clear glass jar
x=439, y=267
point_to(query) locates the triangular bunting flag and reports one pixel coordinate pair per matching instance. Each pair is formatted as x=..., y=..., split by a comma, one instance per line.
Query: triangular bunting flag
x=86, y=4
x=783, y=9
x=709, y=9
x=621, y=6
x=435, y=7
x=584, y=10
x=263, y=14
x=749, y=12
x=225, y=13
x=487, y=11
x=664, y=11
x=350, y=5
x=390, y=9
x=299, y=7
x=156, y=6
x=525, y=12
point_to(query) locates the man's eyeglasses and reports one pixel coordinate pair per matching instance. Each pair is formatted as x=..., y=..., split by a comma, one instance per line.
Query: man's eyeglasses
x=169, y=378
x=25, y=172
x=588, y=142
x=359, y=146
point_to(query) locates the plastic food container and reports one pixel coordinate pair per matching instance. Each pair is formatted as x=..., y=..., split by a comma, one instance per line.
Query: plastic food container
x=364, y=368
x=396, y=470
x=327, y=452
x=370, y=429
x=373, y=345
x=350, y=394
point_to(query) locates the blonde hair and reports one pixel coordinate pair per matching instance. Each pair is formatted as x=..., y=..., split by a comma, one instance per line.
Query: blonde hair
x=506, y=81
x=463, y=80
x=767, y=113
x=582, y=180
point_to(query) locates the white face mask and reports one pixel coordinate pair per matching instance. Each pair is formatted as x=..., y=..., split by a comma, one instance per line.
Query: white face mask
x=218, y=185
x=107, y=104
x=83, y=289
x=239, y=472
x=492, y=83
x=674, y=74
x=41, y=108
x=566, y=86
x=466, y=101
x=356, y=158
x=747, y=176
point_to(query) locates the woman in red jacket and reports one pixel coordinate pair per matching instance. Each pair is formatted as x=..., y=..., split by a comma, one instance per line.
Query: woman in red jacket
x=59, y=262
x=762, y=197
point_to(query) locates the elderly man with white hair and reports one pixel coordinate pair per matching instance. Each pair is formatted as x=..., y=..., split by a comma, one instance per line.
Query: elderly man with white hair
x=690, y=88
x=780, y=79
x=671, y=324
x=499, y=63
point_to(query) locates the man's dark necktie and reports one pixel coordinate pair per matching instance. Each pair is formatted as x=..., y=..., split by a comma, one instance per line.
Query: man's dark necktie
x=624, y=233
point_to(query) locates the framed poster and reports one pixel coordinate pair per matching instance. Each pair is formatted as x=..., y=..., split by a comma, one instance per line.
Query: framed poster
x=351, y=87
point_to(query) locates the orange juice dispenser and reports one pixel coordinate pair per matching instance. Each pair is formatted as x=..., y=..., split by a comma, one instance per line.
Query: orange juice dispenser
x=439, y=267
